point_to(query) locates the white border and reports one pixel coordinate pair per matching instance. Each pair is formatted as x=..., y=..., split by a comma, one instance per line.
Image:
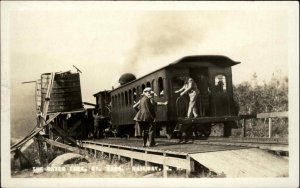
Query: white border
x=293, y=32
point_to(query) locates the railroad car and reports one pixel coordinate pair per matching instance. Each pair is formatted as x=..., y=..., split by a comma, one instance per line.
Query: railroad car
x=213, y=76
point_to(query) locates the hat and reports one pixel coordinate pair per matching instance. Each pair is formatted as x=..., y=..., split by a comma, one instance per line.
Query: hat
x=147, y=89
x=153, y=93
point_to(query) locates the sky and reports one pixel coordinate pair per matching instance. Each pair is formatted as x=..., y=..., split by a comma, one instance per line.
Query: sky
x=105, y=40
x=105, y=44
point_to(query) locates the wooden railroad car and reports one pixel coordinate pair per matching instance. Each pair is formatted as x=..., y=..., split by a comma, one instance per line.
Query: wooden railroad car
x=213, y=76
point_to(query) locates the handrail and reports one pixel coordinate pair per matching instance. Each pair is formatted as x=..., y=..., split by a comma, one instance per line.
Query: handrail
x=269, y=115
x=264, y=115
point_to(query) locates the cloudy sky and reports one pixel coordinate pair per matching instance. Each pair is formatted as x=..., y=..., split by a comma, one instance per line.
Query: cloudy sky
x=104, y=43
x=107, y=39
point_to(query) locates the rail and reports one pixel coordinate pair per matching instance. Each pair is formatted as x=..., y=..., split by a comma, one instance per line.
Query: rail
x=263, y=115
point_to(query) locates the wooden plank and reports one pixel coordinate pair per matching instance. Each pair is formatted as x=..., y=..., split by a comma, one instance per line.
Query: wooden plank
x=61, y=145
x=24, y=162
x=165, y=168
x=273, y=114
x=191, y=167
x=32, y=134
x=137, y=148
x=244, y=127
x=146, y=162
x=270, y=127
x=63, y=134
x=159, y=159
x=87, y=103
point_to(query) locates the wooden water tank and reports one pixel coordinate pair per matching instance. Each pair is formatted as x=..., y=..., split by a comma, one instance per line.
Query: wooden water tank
x=66, y=92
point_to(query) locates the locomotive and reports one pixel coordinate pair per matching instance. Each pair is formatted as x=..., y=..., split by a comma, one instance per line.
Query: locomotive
x=211, y=73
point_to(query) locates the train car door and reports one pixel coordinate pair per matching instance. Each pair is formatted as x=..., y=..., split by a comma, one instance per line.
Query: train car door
x=200, y=76
x=220, y=78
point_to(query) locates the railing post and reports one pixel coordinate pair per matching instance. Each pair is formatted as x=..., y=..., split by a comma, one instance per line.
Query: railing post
x=191, y=166
x=244, y=127
x=146, y=162
x=95, y=154
x=109, y=155
x=165, y=168
x=270, y=127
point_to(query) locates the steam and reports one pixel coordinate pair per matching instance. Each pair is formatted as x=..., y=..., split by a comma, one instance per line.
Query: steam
x=159, y=35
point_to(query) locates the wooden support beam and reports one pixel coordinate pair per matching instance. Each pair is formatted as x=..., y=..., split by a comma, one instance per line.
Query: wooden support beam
x=62, y=133
x=131, y=162
x=24, y=162
x=270, y=127
x=119, y=156
x=158, y=159
x=31, y=135
x=146, y=162
x=244, y=127
x=95, y=153
x=273, y=114
x=191, y=166
x=109, y=155
x=61, y=145
x=41, y=152
x=165, y=168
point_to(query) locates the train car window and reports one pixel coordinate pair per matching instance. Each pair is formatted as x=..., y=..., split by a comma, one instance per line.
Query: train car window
x=126, y=98
x=177, y=82
x=134, y=94
x=160, y=87
x=119, y=101
x=130, y=97
x=122, y=99
x=148, y=84
x=220, y=83
x=143, y=87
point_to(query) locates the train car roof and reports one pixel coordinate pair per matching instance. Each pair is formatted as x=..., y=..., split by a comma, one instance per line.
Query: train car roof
x=218, y=60
x=215, y=59
x=101, y=92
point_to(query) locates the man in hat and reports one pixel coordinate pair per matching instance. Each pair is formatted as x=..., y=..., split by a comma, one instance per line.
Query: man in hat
x=146, y=116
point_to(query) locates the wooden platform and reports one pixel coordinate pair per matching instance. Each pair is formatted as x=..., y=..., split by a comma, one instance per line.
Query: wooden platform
x=230, y=161
x=165, y=153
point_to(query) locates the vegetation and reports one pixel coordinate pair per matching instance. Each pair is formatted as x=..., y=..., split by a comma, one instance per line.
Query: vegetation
x=267, y=97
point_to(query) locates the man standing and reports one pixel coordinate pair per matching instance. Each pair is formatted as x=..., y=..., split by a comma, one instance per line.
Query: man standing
x=98, y=132
x=146, y=116
x=191, y=88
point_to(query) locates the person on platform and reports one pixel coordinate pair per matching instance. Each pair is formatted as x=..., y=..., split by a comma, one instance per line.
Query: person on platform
x=146, y=116
x=98, y=132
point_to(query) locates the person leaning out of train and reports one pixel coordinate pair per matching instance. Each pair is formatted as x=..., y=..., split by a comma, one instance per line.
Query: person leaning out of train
x=190, y=88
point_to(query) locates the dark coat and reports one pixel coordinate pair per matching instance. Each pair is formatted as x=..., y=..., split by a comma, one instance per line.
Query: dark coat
x=146, y=112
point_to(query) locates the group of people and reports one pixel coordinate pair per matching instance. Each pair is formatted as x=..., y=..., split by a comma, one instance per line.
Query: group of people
x=146, y=111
